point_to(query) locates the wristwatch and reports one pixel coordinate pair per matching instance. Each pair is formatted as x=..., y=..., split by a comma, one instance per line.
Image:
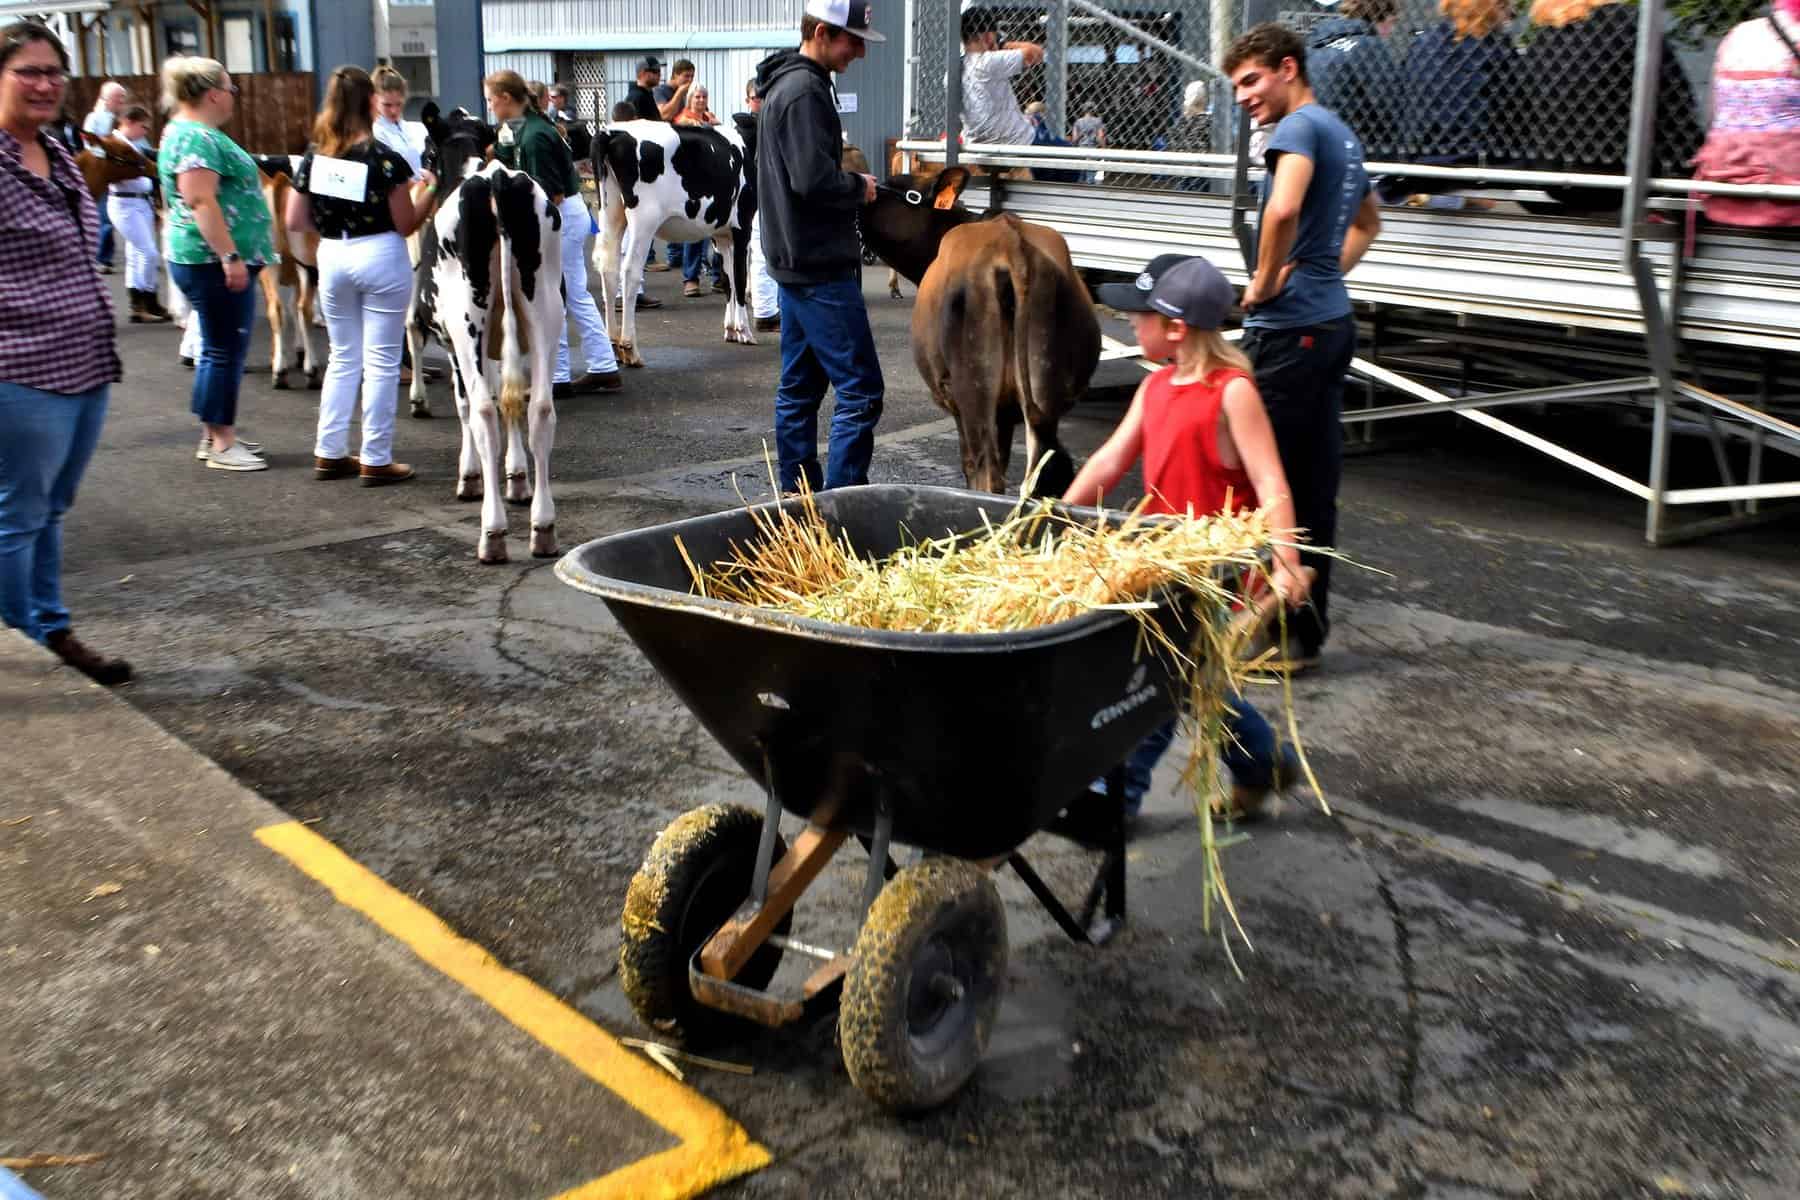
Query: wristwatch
x=233, y=257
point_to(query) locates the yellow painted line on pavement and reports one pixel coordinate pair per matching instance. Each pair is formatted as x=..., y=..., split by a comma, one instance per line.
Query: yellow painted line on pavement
x=713, y=1148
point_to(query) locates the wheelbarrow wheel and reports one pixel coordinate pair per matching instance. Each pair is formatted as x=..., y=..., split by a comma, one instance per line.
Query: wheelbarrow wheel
x=919, y=1002
x=696, y=876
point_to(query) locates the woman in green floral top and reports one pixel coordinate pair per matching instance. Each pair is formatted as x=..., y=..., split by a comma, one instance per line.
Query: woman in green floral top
x=220, y=236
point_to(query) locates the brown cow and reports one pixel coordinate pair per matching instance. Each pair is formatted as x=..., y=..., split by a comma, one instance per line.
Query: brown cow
x=1003, y=327
x=109, y=160
x=297, y=272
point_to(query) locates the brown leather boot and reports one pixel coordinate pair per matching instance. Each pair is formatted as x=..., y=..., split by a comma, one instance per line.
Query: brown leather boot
x=335, y=468
x=154, y=312
x=394, y=472
x=109, y=672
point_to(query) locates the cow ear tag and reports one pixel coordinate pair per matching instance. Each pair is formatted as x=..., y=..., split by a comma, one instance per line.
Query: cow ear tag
x=945, y=199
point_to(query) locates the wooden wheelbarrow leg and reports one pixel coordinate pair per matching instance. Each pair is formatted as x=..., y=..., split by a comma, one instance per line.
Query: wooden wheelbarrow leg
x=712, y=970
x=726, y=952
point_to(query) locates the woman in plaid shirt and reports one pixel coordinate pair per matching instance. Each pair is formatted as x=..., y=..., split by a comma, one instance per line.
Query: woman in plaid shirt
x=57, y=359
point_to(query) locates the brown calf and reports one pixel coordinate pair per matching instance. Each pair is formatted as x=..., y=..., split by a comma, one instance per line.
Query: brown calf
x=109, y=160
x=1003, y=328
x=296, y=273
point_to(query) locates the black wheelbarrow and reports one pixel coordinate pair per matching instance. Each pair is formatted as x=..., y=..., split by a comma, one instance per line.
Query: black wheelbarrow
x=960, y=746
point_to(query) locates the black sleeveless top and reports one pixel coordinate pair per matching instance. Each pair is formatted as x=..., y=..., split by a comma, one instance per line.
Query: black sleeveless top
x=335, y=217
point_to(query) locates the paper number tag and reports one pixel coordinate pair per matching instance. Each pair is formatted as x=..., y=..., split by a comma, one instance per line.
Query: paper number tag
x=339, y=178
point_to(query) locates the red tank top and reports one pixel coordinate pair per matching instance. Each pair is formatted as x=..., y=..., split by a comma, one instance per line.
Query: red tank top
x=1182, y=470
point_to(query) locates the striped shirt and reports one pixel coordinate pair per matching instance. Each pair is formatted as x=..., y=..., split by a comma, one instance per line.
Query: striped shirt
x=56, y=319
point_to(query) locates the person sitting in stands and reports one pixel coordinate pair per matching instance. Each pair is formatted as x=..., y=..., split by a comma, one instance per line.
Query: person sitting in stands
x=990, y=109
x=1755, y=135
x=1572, y=105
x=1459, y=76
x=1355, y=75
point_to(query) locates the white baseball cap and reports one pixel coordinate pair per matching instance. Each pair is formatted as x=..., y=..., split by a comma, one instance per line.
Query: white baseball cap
x=852, y=16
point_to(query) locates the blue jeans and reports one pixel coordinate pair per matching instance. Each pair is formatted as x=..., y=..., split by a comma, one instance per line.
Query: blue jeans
x=1300, y=373
x=1041, y=136
x=104, y=252
x=825, y=339
x=225, y=321
x=695, y=255
x=46, y=440
x=1249, y=752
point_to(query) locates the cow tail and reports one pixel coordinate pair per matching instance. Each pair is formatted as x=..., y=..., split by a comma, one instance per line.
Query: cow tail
x=515, y=384
x=1019, y=267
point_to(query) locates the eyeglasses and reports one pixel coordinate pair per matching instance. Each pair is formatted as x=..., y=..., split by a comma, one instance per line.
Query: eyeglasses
x=232, y=88
x=54, y=76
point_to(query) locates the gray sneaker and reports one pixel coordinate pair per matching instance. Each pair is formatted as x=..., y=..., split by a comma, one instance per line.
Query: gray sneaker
x=205, y=446
x=235, y=459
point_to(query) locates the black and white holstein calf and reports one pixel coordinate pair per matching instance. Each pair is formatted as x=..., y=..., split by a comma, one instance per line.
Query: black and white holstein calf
x=489, y=287
x=682, y=183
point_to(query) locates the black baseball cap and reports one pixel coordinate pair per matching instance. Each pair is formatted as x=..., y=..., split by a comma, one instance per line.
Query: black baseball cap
x=1135, y=296
x=649, y=63
x=1194, y=292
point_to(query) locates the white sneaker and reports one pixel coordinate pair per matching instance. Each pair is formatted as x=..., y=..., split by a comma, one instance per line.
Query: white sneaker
x=235, y=459
x=205, y=446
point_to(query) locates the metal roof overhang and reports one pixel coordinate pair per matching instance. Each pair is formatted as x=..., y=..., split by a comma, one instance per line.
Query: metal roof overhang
x=65, y=7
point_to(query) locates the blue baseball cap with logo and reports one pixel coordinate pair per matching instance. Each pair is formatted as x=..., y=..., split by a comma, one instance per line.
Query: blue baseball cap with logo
x=1135, y=296
x=1194, y=292
x=852, y=16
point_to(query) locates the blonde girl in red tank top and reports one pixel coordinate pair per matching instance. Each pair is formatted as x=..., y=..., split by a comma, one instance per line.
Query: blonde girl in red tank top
x=1198, y=423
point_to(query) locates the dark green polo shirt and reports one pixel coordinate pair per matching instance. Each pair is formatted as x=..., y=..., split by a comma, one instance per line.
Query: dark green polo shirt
x=539, y=151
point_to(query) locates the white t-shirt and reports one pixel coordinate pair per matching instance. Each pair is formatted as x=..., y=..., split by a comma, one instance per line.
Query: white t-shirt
x=393, y=135
x=990, y=110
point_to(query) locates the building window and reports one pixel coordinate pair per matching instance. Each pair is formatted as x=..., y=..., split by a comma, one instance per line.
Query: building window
x=286, y=45
x=182, y=38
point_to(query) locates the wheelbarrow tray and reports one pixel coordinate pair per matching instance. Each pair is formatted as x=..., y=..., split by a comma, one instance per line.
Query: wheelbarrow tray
x=970, y=742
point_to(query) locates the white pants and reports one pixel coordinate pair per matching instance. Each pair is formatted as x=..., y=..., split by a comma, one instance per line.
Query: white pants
x=364, y=286
x=596, y=343
x=764, y=298
x=135, y=220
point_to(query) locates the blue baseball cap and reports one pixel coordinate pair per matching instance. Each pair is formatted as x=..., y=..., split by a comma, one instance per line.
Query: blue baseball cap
x=1193, y=291
x=1135, y=296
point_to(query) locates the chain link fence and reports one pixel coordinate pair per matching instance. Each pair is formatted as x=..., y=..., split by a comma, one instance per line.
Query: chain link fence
x=1473, y=83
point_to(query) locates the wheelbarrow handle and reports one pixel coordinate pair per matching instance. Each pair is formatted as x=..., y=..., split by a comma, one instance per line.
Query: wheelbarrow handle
x=1260, y=611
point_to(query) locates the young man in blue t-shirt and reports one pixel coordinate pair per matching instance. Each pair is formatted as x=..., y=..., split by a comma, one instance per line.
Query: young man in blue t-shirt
x=1318, y=217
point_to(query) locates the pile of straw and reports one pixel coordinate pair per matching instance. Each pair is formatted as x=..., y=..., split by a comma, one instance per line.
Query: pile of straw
x=1035, y=567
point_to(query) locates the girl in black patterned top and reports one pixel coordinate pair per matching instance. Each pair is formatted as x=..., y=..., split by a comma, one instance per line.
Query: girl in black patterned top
x=353, y=192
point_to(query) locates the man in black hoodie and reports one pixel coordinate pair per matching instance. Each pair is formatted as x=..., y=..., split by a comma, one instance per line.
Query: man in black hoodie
x=807, y=206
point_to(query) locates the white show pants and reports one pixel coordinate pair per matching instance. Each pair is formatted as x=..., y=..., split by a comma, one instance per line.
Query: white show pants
x=764, y=298
x=596, y=343
x=135, y=220
x=364, y=286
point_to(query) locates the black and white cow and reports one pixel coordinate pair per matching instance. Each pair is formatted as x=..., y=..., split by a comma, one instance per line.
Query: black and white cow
x=682, y=183
x=489, y=287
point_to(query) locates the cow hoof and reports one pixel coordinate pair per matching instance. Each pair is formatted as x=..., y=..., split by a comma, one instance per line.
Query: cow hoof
x=543, y=541
x=518, y=492
x=468, y=488
x=421, y=411
x=314, y=380
x=493, y=546
x=894, y=294
x=279, y=382
x=628, y=355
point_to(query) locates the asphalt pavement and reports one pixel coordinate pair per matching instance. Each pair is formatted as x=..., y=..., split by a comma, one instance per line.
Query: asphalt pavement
x=1545, y=943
